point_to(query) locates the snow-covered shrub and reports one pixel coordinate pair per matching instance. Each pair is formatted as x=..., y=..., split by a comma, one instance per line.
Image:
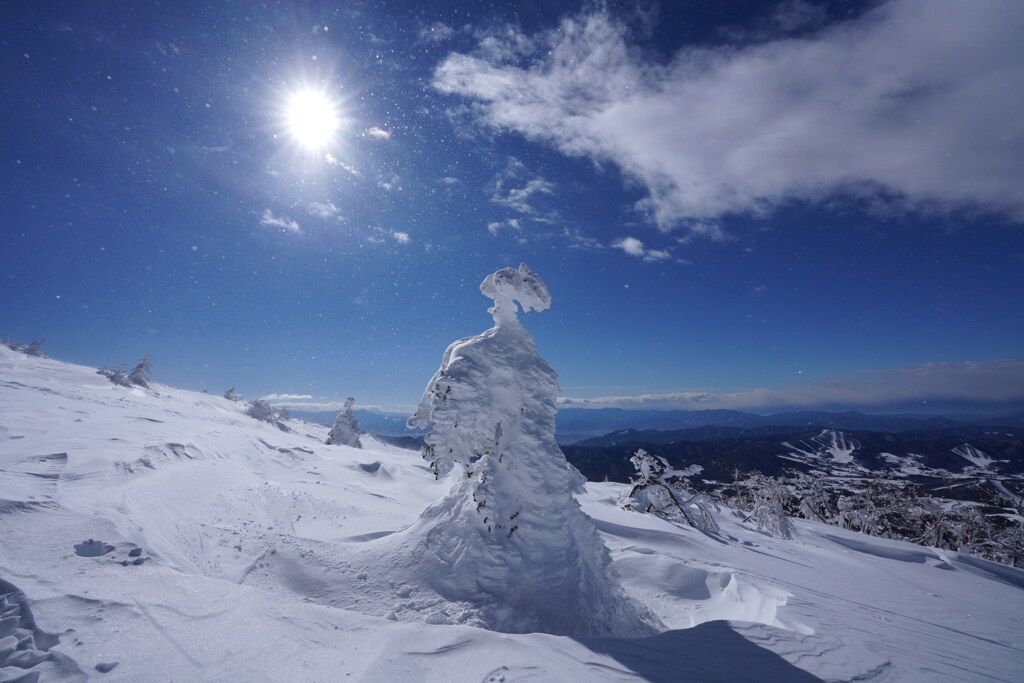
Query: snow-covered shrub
x=813, y=496
x=232, y=395
x=139, y=375
x=346, y=428
x=664, y=491
x=122, y=376
x=764, y=499
x=36, y=348
x=118, y=376
x=261, y=410
x=509, y=539
x=33, y=349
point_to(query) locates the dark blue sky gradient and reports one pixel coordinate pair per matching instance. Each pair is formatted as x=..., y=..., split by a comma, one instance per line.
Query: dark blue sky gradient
x=141, y=144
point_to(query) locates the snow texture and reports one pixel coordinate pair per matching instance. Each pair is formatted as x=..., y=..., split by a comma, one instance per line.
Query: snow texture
x=268, y=555
x=509, y=537
x=346, y=428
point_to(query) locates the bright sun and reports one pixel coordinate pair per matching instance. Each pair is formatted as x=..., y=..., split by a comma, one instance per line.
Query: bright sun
x=312, y=119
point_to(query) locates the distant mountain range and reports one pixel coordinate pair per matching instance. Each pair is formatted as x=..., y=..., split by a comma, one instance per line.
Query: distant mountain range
x=578, y=424
x=920, y=455
x=388, y=424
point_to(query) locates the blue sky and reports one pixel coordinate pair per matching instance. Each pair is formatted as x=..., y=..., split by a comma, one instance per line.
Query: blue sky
x=741, y=205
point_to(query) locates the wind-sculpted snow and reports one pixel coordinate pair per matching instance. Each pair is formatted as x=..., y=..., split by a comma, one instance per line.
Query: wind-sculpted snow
x=509, y=539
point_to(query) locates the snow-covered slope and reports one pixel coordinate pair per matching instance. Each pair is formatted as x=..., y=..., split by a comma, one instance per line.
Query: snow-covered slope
x=223, y=548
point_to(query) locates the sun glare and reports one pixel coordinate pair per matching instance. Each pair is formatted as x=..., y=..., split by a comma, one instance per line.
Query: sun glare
x=312, y=119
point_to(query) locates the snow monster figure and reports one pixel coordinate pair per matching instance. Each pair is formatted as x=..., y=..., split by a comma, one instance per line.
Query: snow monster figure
x=509, y=542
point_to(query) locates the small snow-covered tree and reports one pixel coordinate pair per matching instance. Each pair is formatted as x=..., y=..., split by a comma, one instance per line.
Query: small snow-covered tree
x=814, y=498
x=118, y=376
x=139, y=375
x=232, y=395
x=509, y=540
x=33, y=349
x=971, y=528
x=764, y=499
x=346, y=428
x=36, y=348
x=261, y=410
x=664, y=491
x=1010, y=545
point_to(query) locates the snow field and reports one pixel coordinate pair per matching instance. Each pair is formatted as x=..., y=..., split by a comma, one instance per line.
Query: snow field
x=264, y=557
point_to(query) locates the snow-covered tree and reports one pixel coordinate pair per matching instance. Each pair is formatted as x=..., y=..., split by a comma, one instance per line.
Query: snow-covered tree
x=815, y=499
x=36, y=348
x=764, y=499
x=664, y=491
x=140, y=373
x=232, y=395
x=33, y=349
x=118, y=376
x=261, y=410
x=509, y=539
x=346, y=428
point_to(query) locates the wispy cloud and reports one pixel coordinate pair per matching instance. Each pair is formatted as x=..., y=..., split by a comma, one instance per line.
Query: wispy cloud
x=378, y=133
x=324, y=209
x=635, y=247
x=324, y=406
x=269, y=220
x=335, y=161
x=286, y=397
x=494, y=227
x=436, y=33
x=514, y=187
x=400, y=237
x=913, y=104
x=518, y=199
x=988, y=383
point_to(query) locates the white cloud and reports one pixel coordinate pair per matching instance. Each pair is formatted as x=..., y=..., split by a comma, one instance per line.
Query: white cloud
x=448, y=180
x=391, y=183
x=511, y=224
x=324, y=209
x=577, y=240
x=635, y=247
x=286, y=397
x=324, y=406
x=335, y=161
x=993, y=383
x=378, y=133
x=518, y=199
x=401, y=237
x=269, y=220
x=913, y=104
x=436, y=32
